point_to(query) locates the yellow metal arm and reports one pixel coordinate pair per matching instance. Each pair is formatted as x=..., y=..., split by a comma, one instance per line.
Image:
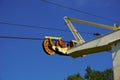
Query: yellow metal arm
x=76, y=34
x=95, y=24
x=53, y=38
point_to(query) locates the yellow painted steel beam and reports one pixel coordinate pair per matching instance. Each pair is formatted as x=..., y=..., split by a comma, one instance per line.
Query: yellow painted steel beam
x=75, y=33
x=94, y=24
x=52, y=37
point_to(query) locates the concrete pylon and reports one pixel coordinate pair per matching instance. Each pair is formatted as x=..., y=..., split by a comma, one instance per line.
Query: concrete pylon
x=116, y=60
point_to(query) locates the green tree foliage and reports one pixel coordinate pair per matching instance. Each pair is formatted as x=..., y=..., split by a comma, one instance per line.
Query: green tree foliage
x=98, y=75
x=93, y=75
x=107, y=74
x=75, y=77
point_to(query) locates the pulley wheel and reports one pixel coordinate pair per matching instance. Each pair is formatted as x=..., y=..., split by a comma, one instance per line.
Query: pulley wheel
x=62, y=43
x=47, y=47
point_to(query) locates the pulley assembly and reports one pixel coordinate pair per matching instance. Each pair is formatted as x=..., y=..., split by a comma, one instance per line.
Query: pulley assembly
x=52, y=45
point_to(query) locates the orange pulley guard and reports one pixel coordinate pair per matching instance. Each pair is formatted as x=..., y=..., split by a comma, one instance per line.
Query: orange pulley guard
x=62, y=43
x=47, y=47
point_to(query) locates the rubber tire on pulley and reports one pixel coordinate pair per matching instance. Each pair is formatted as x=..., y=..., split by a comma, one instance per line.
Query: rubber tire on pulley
x=62, y=43
x=47, y=47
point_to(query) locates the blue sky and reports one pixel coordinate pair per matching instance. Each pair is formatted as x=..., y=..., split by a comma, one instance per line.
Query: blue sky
x=26, y=60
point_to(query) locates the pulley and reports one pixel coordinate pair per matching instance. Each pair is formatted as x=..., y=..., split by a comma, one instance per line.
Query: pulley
x=52, y=45
x=61, y=47
x=47, y=46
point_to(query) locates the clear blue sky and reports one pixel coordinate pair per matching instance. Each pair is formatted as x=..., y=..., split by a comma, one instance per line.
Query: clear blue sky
x=26, y=60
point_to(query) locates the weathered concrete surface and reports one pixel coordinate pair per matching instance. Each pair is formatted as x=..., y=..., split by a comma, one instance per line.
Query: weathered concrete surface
x=116, y=60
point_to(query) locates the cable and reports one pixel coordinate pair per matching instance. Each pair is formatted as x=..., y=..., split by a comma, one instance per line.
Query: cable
x=77, y=10
x=26, y=38
x=39, y=27
x=31, y=26
x=16, y=37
